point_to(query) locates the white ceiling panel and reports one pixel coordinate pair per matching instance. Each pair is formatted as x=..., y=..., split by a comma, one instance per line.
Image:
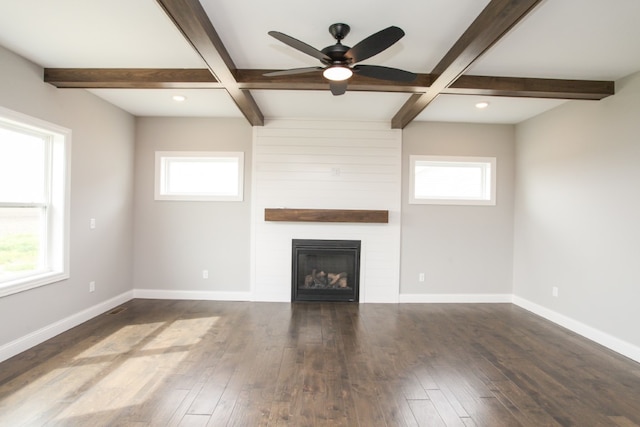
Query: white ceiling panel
x=462, y=108
x=159, y=102
x=569, y=39
x=94, y=33
x=431, y=28
x=322, y=105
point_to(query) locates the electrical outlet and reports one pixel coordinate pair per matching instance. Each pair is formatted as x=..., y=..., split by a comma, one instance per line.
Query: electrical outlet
x=92, y=223
x=554, y=291
x=421, y=277
x=205, y=274
x=92, y=286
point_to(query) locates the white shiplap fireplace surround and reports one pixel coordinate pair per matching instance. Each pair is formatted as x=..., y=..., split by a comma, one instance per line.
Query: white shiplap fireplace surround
x=326, y=165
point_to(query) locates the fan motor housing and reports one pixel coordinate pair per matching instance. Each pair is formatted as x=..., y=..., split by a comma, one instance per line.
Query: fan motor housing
x=336, y=53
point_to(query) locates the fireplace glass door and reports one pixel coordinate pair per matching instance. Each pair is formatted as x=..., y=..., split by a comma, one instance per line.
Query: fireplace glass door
x=325, y=270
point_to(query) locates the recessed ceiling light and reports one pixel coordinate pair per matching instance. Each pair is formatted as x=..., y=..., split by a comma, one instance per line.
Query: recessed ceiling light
x=482, y=105
x=179, y=98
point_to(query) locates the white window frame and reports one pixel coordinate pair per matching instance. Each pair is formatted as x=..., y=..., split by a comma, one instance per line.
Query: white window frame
x=487, y=165
x=163, y=159
x=56, y=207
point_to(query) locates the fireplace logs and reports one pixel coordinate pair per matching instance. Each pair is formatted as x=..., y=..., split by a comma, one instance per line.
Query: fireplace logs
x=320, y=279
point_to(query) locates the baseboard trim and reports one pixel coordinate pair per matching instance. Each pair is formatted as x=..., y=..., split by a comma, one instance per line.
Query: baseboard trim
x=456, y=298
x=619, y=346
x=191, y=295
x=25, y=342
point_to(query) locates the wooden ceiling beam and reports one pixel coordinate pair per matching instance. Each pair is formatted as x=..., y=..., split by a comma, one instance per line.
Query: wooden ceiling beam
x=144, y=78
x=131, y=78
x=191, y=19
x=254, y=79
x=519, y=87
x=495, y=20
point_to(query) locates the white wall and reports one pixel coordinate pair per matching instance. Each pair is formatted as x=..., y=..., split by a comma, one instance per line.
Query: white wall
x=176, y=240
x=465, y=252
x=577, y=214
x=101, y=188
x=326, y=165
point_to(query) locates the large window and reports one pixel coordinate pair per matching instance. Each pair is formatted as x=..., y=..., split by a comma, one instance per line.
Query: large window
x=199, y=175
x=34, y=162
x=452, y=180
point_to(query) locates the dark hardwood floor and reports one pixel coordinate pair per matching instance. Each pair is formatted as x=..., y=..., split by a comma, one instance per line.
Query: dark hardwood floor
x=197, y=363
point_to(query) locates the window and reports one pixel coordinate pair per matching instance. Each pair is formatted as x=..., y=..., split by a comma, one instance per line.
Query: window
x=452, y=180
x=34, y=204
x=199, y=175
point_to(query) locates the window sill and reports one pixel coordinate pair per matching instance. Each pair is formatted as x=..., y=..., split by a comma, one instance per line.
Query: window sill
x=453, y=202
x=30, y=282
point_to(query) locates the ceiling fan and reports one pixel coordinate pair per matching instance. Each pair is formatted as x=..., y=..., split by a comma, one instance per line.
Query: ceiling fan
x=339, y=60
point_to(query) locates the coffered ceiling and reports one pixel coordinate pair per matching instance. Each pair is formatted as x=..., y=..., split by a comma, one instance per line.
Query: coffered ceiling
x=523, y=57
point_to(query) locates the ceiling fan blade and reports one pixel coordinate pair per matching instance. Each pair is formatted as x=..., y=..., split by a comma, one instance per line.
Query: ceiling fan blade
x=292, y=71
x=374, y=44
x=297, y=44
x=385, y=73
x=338, y=88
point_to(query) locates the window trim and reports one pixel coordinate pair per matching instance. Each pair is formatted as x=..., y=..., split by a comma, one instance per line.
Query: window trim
x=58, y=203
x=491, y=162
x=160, y=163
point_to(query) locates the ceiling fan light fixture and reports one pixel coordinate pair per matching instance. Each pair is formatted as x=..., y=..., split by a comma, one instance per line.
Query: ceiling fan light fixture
x=339, y=61
x=337, y=73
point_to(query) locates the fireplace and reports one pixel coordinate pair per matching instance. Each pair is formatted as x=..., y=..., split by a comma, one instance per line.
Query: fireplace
x=325, y=270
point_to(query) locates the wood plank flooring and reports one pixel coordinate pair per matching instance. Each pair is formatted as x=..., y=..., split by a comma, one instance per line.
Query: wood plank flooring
x=209, y=363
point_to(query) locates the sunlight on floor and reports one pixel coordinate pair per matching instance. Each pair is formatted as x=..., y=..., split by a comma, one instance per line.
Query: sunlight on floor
x=181, y=333
x=131, y=380
x=123, y=369
x=121, y=341
x=58, y=385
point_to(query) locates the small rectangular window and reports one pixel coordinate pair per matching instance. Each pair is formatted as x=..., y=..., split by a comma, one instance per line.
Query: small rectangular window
x=34, y=203
x=452, y=180
x=199, y=175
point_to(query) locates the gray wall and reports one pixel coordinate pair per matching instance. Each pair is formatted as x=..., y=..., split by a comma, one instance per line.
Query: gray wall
x=176, y=240
x=101, y=188
x=461, y=249
x=577, y=211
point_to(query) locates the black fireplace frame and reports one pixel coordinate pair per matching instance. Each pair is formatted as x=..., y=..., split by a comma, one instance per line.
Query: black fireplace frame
x=333, y=295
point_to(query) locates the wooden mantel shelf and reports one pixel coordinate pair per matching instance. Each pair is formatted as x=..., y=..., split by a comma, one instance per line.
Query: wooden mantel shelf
x=326, y=215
